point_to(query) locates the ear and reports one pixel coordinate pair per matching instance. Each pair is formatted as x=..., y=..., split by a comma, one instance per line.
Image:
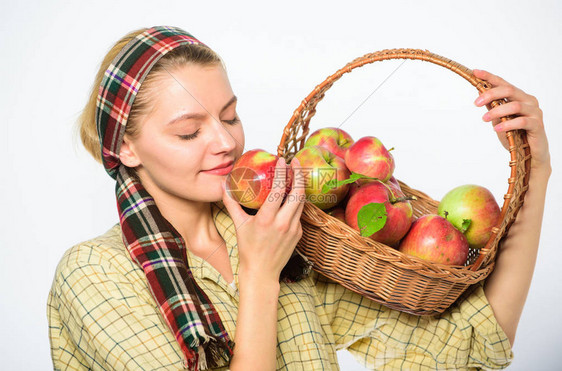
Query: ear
x=127, y=154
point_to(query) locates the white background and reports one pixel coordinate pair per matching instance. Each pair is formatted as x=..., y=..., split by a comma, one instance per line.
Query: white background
x=53, y=195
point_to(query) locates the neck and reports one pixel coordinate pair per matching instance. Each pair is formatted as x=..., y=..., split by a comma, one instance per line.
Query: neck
x=192, y=219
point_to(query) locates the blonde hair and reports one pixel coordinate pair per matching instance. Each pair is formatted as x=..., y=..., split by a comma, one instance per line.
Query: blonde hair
x=186, y=54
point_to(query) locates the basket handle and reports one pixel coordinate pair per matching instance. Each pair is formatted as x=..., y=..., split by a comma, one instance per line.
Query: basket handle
x=520, y=153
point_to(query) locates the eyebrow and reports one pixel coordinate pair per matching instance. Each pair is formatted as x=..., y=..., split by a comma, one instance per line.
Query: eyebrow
x=200, y=116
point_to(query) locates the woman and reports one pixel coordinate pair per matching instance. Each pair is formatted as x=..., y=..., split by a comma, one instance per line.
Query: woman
x=186, y=274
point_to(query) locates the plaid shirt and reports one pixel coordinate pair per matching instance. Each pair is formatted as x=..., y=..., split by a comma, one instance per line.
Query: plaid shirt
x=102, y=316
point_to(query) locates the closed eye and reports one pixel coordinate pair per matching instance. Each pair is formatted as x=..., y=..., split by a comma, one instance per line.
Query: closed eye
x=233, y=122
x=189, y=136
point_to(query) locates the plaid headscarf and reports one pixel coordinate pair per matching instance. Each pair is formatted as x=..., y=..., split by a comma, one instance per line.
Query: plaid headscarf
x=153, y=243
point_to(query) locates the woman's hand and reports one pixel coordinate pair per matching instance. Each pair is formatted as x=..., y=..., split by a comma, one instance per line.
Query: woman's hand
x=526, y=112
x=267, y=240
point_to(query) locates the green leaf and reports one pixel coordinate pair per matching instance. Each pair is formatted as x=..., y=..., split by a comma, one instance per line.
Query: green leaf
x=371, y=218
x=334, y=183
x=356, y=176
x=465, y=224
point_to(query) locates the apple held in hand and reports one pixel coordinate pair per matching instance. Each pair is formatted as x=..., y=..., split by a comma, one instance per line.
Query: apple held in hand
x=333, y=139
x=368, y=156
x=435, y=239
x=319, y=166
x=473, y=210
x=253, y=176
x=399, y=212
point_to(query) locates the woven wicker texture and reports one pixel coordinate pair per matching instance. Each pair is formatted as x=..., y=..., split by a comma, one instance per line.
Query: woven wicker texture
x=377, y=271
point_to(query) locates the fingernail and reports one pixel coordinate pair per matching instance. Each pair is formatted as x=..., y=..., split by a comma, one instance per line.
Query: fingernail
x=479, y=101
x=498, y=127
x=486, y=116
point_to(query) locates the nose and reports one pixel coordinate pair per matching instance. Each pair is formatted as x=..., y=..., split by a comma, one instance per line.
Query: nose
x=223, y=140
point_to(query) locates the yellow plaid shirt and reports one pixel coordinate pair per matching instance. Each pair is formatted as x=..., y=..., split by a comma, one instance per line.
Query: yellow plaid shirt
x=102, y=316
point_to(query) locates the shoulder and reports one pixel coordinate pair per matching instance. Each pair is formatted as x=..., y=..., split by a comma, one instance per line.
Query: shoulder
x=106, y=253
x=99, y=270
x=102, y=247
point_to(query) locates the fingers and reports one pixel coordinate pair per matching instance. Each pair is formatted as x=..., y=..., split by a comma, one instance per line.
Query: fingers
x=491, y=78
x=501, y=89
x=527, y=123
x=519, y=103
x=271, y=205
x=524, y=106
x=511, y=108
x=295, y=200
x=297, y=215
x=500, y=92
x=236, y=212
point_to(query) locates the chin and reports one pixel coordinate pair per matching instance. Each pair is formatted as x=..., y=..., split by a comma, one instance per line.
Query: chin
x=214, y=193
x=204, y=191
x=211, y=191
x=207, y=197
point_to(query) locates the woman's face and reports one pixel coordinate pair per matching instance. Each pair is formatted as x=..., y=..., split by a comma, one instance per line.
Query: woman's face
x=193, y=127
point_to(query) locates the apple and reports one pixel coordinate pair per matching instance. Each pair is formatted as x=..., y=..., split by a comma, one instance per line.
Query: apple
x=338, y=212
x=476, y=207
x=319, y=166
x=399, y=212
x=353, y=187
x=368, y=156
x=252, y=178
x=333, y=139
x=395, y=186
x=435, y=239
x=392, y=183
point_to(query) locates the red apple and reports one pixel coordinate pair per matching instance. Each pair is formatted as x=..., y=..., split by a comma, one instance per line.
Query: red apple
x=399, y=211
x=338, y=213
x=474, y=203
x=435, y=239
x=252, y=178
x=319, y=166
x=368, y=156
x=392, y=183
x=353, y=187
x=333, y=139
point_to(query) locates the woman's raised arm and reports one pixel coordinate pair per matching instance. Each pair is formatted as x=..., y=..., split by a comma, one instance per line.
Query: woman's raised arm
x=507, y=286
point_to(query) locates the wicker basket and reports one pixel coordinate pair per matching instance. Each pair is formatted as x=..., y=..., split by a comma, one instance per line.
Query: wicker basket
x=375, y=270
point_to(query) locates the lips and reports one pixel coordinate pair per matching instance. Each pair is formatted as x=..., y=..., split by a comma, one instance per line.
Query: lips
x=221, y=166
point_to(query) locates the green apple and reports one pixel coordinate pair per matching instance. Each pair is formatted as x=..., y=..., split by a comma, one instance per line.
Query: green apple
x=319, y=166
x=333, y=139
x=473, y=210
